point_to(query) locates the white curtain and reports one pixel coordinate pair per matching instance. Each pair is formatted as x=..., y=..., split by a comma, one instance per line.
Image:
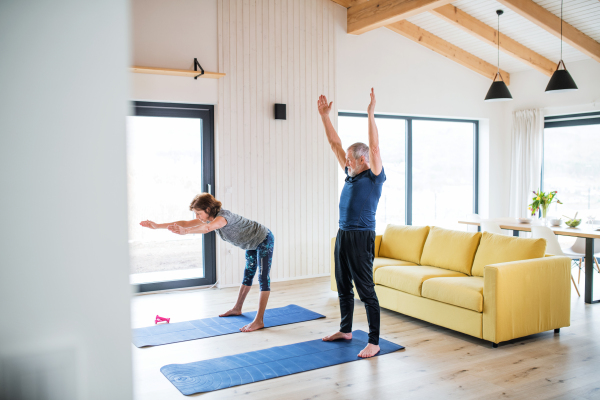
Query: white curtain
x=526, y=159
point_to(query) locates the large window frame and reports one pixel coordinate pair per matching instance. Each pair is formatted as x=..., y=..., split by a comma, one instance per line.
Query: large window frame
x=563, y=121
x=408, y=154
x=206, y=114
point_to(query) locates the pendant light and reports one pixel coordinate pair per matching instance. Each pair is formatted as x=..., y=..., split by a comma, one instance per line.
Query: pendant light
x=561, y=80
x=498, y=91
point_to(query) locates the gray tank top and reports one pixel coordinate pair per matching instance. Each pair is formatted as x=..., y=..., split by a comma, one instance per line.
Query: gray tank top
x=240, y=231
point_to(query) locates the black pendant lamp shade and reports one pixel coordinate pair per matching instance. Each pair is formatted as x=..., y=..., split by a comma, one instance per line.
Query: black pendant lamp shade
x=561, y=80
x=498, y=91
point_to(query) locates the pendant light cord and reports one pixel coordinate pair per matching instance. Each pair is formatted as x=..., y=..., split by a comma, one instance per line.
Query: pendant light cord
x=561, y=19
x=499, y=43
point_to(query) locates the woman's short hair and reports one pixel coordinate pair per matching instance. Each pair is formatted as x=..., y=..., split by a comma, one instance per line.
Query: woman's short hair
x=206, y=201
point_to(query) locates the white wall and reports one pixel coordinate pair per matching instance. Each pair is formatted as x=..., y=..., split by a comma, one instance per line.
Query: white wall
x=527, y=89
x=64, y=287
x=170, y=34
x=279, y=173
x=410, y=79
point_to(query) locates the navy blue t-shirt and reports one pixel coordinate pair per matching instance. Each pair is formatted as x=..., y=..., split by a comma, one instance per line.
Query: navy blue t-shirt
x=359, y=199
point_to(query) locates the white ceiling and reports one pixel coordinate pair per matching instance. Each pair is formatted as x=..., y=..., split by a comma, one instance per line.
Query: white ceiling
x=582, y=14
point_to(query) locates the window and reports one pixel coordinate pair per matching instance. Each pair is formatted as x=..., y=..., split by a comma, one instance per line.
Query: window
x=392, y=139
x=443, y=181
x=571, y=165
x=169, y=161
x=430, y=164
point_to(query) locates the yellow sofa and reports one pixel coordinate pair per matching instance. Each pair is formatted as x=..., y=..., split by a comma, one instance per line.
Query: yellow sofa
x=490, y=286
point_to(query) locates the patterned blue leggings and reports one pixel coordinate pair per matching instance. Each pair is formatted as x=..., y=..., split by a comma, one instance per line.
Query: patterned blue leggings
x=261, y=257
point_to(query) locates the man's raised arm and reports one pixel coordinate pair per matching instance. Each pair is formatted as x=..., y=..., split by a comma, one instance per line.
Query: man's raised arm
x=334, y=140
x=374, y=154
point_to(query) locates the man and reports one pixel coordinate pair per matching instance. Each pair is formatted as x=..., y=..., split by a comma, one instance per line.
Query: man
x=355, y=242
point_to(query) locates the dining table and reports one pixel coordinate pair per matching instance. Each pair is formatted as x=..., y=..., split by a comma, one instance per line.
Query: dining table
x=589, y=232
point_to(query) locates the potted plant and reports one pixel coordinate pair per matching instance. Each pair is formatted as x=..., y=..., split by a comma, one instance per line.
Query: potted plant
x=542, y=201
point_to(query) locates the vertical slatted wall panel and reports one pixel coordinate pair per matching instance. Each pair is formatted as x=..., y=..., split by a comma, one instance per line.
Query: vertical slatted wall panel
x=279, y=173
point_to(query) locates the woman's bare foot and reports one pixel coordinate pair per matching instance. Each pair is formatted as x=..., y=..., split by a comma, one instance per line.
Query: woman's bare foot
x=369, y=351
x=337, y=335
x=233, y=311
x=253, y=326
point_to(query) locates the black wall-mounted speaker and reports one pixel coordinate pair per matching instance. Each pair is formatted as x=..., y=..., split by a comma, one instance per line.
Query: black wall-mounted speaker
x=280, y=111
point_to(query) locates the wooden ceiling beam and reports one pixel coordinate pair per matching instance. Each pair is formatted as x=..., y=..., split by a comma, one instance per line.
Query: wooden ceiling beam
x=489, y=35
x=551, y=23
x=373, y=14
x=349, y=3
x=343, y=3
x=440, y=46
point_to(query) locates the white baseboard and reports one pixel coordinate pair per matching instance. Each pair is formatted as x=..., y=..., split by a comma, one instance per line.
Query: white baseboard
x=278, y=280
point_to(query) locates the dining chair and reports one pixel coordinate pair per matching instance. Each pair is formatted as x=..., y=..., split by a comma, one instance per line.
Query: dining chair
x=552, y=245
x=577, y=251
x=491, y=227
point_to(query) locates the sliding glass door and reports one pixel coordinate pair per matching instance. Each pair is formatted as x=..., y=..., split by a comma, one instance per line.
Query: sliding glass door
x=170, y=160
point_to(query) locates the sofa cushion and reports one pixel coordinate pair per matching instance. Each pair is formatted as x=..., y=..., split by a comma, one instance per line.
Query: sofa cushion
x=384, y=262
x=450, y=249
x=466, y=292
x=495, y=249
x=403, y=242
x=410, y=278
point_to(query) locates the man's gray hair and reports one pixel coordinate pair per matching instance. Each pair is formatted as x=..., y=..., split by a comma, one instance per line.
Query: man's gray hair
x=358, y=150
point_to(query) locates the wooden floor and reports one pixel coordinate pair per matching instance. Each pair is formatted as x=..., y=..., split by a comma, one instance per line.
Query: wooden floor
x=437, y=363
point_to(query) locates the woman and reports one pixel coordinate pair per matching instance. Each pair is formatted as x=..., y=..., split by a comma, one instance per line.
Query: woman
x=256, y=239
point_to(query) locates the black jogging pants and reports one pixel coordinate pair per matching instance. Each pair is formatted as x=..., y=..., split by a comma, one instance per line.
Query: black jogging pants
x=354, y=254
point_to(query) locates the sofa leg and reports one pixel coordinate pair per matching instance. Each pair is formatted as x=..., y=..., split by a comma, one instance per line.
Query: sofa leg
x=495, y=345
x=557, y=330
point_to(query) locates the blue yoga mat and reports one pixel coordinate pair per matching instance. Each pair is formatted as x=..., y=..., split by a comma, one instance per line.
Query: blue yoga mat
x=255, y=366
x=202, y=328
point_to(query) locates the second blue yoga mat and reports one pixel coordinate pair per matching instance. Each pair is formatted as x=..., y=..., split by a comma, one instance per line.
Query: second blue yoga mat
x=202, y=328
x=255, y=366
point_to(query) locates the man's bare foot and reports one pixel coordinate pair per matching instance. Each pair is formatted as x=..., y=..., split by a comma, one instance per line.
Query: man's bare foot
x=337, y=336
x=233, y=311
x=252, y=326
x=369, y=351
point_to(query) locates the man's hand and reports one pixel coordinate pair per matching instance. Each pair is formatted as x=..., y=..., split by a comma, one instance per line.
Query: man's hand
x=371, y=108
x=149, y=224
x=324, y=109
x=180, y=230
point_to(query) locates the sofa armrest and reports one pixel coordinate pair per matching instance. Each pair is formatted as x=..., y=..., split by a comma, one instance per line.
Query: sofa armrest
x=332, y=266
x=522, y=298
x=377, y=244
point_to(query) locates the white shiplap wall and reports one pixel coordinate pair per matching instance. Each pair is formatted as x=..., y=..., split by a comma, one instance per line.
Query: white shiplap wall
x=279, y=173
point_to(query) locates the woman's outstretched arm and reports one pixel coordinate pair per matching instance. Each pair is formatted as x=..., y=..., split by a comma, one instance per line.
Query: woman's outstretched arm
x=186, y=224
x=217, y=223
